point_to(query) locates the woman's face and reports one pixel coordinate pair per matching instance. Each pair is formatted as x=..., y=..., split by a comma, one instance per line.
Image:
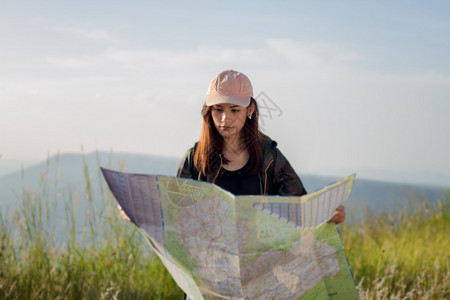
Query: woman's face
x=230, y=118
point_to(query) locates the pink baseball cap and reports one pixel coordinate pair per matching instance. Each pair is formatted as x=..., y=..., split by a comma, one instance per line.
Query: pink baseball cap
x=230, y=87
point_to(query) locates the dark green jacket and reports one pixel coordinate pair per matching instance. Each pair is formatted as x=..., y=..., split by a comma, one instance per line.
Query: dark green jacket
x=277, y=177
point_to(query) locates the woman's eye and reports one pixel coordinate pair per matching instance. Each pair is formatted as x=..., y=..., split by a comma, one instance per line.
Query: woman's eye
x=235, y=110
x=217, y=109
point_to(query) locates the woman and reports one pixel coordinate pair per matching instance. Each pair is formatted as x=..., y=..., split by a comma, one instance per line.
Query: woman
x=232, y=152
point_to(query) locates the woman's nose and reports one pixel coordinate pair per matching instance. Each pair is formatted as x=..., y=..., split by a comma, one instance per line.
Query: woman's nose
x=224, y=116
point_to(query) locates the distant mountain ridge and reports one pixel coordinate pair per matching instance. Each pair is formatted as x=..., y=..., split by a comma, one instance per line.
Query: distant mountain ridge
x=8, y=166
x=67, y=171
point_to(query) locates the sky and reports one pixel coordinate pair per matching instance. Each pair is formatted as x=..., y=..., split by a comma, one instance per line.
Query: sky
x=348, y=86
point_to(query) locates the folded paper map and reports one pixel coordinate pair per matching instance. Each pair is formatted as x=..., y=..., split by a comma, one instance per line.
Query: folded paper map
x=218, y=245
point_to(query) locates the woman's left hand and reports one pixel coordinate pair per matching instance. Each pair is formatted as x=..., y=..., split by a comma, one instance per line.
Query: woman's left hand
x=339, y=215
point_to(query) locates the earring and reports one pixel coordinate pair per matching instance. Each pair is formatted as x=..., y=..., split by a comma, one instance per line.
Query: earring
x=249, y=117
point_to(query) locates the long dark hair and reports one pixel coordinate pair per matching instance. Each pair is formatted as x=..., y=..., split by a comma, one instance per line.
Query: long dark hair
x=211, y=142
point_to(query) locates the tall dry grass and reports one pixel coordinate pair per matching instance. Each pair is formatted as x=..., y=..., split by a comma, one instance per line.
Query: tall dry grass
x=92, y=254
x=403, y=256
x=89, y=253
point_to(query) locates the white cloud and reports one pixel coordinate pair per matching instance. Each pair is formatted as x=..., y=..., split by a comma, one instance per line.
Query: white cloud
x=312, y=54
x=68, y=62
x=95, y=34
x=200, y=56
x=100, y=35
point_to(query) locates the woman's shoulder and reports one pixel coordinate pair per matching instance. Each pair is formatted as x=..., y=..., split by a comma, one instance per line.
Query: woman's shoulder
x=191, y=151
x=271, y=151
x=268, y=142
x=268, y=145
x=187, y=168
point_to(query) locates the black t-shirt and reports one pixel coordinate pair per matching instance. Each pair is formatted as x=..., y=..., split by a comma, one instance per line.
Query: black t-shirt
x=239, y=182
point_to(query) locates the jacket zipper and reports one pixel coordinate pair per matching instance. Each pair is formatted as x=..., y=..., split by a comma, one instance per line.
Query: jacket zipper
x=265, y=176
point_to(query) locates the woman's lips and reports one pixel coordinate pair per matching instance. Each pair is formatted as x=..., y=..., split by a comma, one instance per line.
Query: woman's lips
x=226, y=127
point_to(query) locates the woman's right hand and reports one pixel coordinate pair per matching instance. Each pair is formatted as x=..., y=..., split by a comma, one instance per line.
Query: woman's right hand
x=122, y=214
x=339, y=215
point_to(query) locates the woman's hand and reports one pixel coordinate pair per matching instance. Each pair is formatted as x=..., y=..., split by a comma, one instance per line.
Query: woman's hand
x=339, y=215
x=122, y=214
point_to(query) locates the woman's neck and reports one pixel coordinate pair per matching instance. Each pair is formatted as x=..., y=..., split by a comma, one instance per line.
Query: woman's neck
x=233, y=144
x=235, y=152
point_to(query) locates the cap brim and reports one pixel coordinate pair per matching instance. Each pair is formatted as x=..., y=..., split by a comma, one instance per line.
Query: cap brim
x=218, y=99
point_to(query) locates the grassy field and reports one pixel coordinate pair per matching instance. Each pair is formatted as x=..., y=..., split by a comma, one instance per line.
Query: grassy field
x=392, y=257
x=401, y=257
